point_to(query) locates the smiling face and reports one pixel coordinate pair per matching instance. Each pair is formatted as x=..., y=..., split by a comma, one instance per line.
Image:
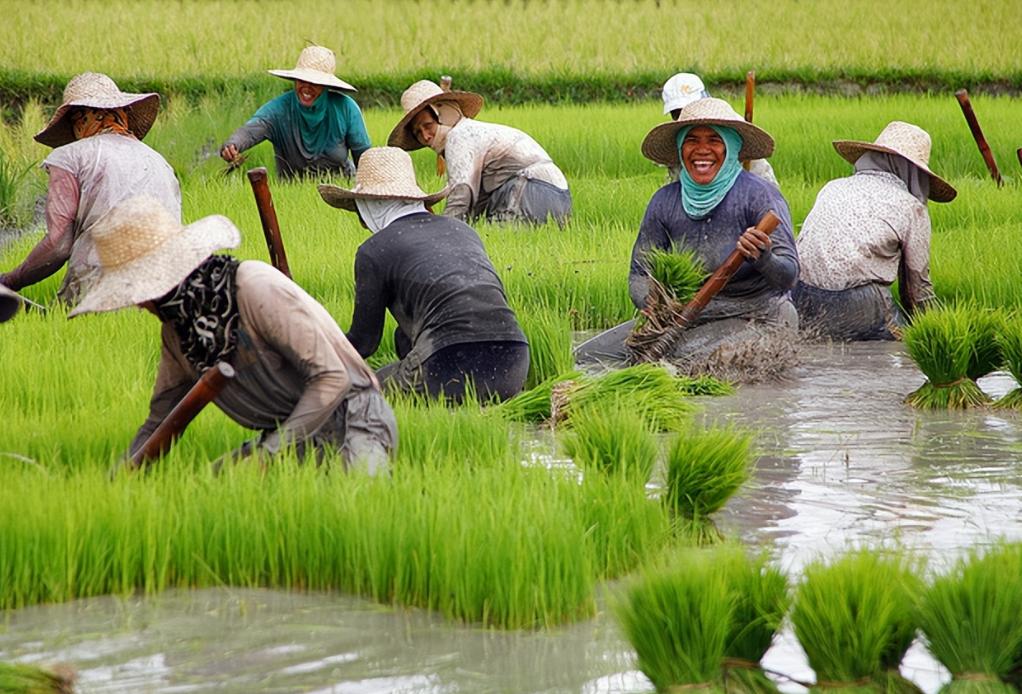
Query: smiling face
x=307, y=93
x=702, y=153
x=423, y=127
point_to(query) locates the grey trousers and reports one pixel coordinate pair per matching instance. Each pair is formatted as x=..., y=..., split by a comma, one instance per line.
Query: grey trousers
x=866, y=312
x=529, y=201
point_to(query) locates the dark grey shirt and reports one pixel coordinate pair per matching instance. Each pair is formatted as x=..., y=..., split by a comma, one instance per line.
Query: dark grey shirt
x=757, y=286
x=433, y=274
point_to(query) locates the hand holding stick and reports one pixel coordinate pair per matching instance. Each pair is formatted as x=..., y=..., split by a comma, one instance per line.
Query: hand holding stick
x=970, y=117
x=268, y=218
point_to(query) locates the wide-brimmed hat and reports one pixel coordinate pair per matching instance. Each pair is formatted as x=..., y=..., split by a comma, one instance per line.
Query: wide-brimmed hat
x=10, y=302
x=908, y=141
x=316, y=65
x=661, y=145
x=420, y=95
x=681, y=90
x=384, y=173
x=144, y=253
x=96, y=90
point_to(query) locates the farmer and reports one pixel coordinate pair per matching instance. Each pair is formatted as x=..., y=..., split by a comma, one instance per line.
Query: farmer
x=866, y=231
x=312, y=127
x=454, y=325
x=494, y=171
x=298, y=380
x=680, y=91
x=10, y=302
x=98, y=161
x=712, y=210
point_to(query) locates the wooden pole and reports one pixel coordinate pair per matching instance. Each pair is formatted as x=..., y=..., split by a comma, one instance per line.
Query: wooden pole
x=750, y=95
x=268, y=218
x=441, y=165
x=1018, y=153
x=970, y=117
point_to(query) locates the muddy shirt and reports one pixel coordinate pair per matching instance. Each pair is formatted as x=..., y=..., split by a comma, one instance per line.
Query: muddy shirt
x=294, y=367
x=481, y=157
x=868, y=228
x=272, y=122
x=435, y=277
x=756, y=287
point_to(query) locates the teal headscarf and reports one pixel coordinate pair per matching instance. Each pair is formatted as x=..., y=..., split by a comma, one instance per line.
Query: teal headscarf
x=700, y=200
x=320, y=126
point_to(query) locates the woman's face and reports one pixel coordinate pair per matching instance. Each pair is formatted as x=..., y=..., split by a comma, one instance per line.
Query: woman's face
x=307, y=93
x=424, y=127
x=702, y=153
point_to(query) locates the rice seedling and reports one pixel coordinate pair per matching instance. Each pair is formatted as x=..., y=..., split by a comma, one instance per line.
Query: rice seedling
x=680, y=272
x=704, y=385
x=987, y=324
x=943, y=346
x=549, y=333
x=1010, y=342
x=18, y=678
x=678, y=619
x=969, y=617
x=856, y=617
x=703, y=470
x=611, y=440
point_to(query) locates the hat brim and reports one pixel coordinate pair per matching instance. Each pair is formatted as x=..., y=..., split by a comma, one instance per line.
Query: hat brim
x=344, y=199
x=851, y=150
x=141, y=110
x=470, y=102
x=323, y=79
x=156, y=273
x=10, y=302
x=660, y=144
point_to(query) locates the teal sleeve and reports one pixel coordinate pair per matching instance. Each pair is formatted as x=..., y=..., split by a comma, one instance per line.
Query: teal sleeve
x=356, y=136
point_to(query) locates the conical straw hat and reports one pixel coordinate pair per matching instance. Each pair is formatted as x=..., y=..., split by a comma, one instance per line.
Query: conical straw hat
x=96, y=90
x=316, y=65
x=144, y=253
x=419, y=96
x=661, y=145
x=384, y=173
x=10, y=302
x=905, y=140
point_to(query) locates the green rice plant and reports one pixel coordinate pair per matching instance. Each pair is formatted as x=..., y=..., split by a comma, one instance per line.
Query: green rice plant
x=856, y=617
x=681, y=272
x=18, y=678
x=704, y=385
x=987, y=324
x=943, y=346
x=1010, y=342
x=703, y=470
x=533, y=405
x=678, y=619
x=549, y=334
x=647, y=389
x=969, y=618
x=611, y=440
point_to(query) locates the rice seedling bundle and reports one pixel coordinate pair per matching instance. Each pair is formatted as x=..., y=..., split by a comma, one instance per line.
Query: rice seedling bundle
x=678, y=619
x=680, y=272
x=703, y=470
x=987, y=324
x=611, y=440
x=675, y=277
x=970, y=619
x=1010, y=342
x=18, y=678
x=943, y=346
x=856, y=617
x=704, y=385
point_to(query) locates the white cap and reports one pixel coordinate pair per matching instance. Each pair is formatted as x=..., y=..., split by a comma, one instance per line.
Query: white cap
x=681, y=90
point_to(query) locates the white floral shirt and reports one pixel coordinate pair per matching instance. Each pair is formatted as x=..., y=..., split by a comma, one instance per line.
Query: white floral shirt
x=868, y=228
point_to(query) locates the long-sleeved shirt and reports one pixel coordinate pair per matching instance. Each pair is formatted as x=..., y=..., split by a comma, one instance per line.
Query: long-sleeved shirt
x=757, y=285
x=88, y=178
x=868, y=228
x=481, y=157
x=293, y=365
x=272, y=122
x=433, y=274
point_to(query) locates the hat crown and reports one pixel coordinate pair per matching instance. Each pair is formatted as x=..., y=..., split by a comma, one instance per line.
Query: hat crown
x=90, y=86
x=419, y=92
x=317, y=58
x=133, y=230
x=711, y=108
x=384, y=169
x=909, y=140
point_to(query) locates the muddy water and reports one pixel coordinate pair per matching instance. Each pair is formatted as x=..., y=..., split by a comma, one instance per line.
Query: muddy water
x=843, y=464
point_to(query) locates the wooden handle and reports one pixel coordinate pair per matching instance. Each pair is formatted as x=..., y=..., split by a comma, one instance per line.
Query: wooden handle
x=1018, y=153
x=750, y=94
x=205, y=391
x=977, y=134
x=445, y=82
x=268, y=219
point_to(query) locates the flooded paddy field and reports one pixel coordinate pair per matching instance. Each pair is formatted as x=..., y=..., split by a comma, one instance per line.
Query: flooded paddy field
x=843, y=463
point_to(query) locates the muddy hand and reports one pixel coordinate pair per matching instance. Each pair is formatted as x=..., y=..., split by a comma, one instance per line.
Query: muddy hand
x=753, y=243
x=229, y=153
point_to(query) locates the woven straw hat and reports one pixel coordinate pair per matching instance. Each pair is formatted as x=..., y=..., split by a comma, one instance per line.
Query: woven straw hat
x=681, y=90
x=419, y=96
x=144, y=253
x=384, y=173
x=9, y=303
x=660, y=144
x=905, y=140
x=96, y=90
x=316, y=65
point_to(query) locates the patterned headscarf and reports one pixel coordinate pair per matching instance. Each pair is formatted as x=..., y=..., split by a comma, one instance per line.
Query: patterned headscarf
x=203, y=311
x=87, y=122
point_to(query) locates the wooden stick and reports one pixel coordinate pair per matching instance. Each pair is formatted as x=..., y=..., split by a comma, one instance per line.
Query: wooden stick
x=1018, y=153
x=205, y=391
x=268, y=218
x=970, y=117
x=750, y=95
x=441, y=165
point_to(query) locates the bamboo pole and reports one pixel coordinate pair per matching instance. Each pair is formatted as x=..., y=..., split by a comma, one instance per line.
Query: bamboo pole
x=268, y=218
x=750, y=94
x=970, y=117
